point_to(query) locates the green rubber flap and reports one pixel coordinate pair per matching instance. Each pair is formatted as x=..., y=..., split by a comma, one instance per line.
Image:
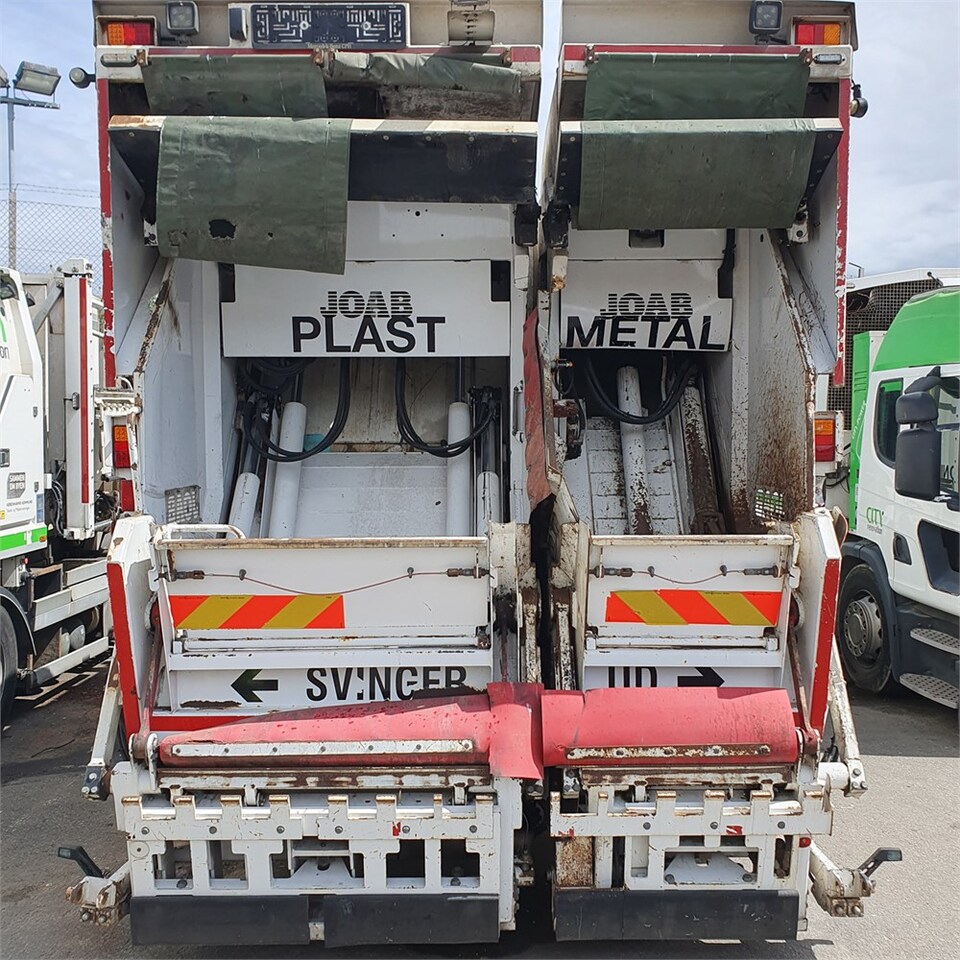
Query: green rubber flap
x=693, y=174
x=235, y=86
x=426, y=72
x=270, y=192
x=690, y=87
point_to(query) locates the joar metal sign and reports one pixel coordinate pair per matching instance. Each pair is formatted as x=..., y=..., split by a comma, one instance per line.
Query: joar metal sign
x=644, y=305
x=374, y=309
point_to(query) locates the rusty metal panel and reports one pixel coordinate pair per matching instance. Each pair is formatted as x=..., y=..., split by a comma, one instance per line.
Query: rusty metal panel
x=574, y=863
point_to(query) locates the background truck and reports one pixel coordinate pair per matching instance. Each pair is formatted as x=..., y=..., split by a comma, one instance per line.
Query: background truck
x=696, y=235
x=368, y=613
x=55, y=513
x=897, y=617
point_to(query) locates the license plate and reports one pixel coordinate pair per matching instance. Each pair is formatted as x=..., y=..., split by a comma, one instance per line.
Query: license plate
x=345, y=25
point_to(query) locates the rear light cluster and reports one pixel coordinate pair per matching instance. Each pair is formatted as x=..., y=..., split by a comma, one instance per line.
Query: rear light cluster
x=828, y=33
x=825, y=439
x=121, y=447
x=129, y=33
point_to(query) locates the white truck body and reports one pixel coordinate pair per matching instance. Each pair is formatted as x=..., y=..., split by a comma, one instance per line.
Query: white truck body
x=54, y=512
x=370, y=609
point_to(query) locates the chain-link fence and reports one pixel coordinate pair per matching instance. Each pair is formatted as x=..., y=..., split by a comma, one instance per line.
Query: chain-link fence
x=52, y=224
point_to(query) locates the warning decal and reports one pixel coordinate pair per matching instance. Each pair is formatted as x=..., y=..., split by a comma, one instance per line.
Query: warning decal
x=677, y=608
x=309, y=611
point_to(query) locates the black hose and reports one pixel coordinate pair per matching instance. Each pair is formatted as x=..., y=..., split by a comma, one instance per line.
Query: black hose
x=265, y=447
x=410, y=436
x=669, y=404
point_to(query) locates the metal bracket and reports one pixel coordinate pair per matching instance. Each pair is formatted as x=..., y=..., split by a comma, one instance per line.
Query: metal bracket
x=96, y=778
x=840, y=891
x=844, y=731
x=102, y=900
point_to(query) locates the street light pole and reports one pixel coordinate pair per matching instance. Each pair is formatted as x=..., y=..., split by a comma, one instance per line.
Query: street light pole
x=11, y=191
x=31, y=78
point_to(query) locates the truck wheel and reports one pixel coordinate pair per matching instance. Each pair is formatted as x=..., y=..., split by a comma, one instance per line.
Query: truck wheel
x=863, y=632
x=8, y=663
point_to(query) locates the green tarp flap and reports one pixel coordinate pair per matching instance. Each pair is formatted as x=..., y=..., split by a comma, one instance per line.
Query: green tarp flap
x=688, y=87
x=693, y=174
x=426, y=72
x=236, y=86
x=271, y=192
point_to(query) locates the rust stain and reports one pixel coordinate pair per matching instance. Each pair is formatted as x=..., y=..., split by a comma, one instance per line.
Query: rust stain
x=156, y=315
x=210, y=704
x=574, y=863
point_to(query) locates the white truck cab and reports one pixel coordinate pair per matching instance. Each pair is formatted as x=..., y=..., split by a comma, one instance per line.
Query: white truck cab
x=898, y=610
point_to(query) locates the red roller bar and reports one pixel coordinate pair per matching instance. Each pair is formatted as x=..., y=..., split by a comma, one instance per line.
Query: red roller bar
x=682, y=726
x=499, y=729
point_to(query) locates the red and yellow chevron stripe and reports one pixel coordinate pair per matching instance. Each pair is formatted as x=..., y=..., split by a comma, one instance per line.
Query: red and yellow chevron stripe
x=679, y=608
x=233, y=611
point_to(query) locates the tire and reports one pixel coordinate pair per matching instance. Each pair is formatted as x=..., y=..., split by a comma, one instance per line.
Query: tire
x=9, y=658
x=863, y=632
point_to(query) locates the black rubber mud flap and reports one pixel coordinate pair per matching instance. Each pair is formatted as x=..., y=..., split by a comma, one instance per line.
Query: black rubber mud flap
x=418, y=918
x=581, y=914
x=249, y=921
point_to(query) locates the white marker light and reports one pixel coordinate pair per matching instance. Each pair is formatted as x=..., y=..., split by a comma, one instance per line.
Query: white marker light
x=766, y=17
x=182, y=17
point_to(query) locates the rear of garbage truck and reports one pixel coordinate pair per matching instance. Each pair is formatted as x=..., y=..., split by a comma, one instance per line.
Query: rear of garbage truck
x=697, y=236
x=470, y=511
x=322, y=233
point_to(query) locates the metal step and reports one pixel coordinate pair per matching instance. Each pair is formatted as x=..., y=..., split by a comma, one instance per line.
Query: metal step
x=936, y=638
x=932, y=688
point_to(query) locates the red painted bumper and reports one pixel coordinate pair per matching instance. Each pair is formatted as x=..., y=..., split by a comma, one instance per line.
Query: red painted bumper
x=673, y=726
x=499, y=729
x=514, y=729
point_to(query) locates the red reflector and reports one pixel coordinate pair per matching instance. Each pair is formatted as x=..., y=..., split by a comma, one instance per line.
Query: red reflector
x=804, y=841
x=121, y=447
x=127, y=503
x=128, y=33
x=809, y=33
x=824, y=440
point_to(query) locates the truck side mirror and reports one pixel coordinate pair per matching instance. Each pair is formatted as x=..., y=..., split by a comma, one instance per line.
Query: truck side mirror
x=917, y=467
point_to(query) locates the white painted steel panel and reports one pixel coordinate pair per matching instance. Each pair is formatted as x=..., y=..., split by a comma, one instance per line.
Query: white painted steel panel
x=265, y=681
x=699, y=667
x=429, y=231
x=372, y=494
x=677, y=245
x=686, y=563
x=383, y=308
x=644, y=305
x=392, y=590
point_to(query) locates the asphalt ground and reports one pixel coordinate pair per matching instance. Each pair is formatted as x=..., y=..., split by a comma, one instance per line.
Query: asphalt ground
x=910, y=746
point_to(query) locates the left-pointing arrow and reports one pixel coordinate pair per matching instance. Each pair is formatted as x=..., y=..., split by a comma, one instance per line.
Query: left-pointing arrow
x=247, y=685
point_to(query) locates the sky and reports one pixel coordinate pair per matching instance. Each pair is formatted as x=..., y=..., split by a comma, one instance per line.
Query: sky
x=905, y=154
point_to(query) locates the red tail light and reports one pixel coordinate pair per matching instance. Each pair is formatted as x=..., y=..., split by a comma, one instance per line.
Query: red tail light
x=829, y=34
x=128, y=33
x=825, y=439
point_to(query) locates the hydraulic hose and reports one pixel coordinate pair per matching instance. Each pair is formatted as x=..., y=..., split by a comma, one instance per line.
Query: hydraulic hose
x=610, y=409
x=253, y=418
x=410, y=436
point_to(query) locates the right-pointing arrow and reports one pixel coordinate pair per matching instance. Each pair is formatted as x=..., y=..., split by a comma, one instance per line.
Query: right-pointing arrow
x=708, y=678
